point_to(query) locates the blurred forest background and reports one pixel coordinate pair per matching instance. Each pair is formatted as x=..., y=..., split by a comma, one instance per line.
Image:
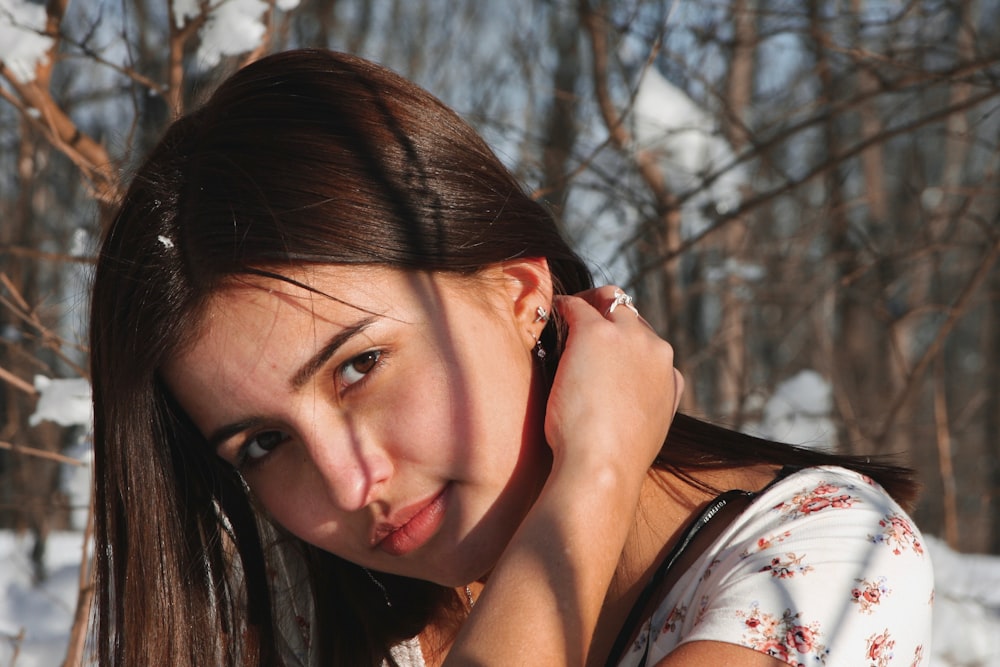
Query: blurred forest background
x=793, y=189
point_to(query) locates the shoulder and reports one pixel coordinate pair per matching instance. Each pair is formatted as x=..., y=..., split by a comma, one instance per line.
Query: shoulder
x=822, y=534
x=827, y=495
x=823, y=565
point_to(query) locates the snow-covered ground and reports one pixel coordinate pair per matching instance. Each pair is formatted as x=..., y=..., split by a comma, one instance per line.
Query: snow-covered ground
x=966, y=623
x=966, y=608
x=44, y=612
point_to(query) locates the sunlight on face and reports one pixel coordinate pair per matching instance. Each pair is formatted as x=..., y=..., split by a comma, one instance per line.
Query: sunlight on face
x=388, y=417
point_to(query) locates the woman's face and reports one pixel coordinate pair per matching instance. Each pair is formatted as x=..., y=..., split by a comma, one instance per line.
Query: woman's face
x=394, y=420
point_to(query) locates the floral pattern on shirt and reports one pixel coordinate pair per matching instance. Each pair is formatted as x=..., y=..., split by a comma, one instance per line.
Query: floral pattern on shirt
x=824, y=569
x=787, y=566
x=766, y=542
x=703, y=606
x=868, y=594
x=879, y=653
x=823, y=496
x=786, y=638
x=674, y=619
x=897, y=532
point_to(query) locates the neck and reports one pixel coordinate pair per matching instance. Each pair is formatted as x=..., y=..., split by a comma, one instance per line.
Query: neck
x=666, y=507
x=437, y=636
x=666, y=504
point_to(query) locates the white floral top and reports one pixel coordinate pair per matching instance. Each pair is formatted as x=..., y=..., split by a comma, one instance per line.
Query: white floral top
x=823, y=568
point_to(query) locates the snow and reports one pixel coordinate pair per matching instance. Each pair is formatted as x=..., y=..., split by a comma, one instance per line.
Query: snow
x=63, y=401
x=232, y=27
x=23, y=47
x=966, y=608
x=184, y=11
x=799, y=412
x=75, y=481
x=698, y=165
x=690, y=147
x=44, y=611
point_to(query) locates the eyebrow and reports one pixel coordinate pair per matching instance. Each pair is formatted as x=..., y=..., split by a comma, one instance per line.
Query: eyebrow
x=318, y=360
x=302, y=375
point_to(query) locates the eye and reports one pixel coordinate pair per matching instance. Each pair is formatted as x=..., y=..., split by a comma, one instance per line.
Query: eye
x=261, y=445
x=357, y=368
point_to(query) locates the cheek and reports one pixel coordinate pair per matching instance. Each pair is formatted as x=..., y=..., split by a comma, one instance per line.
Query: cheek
x=423, y=419
x=493, y=404
x=294, y=507
x=302, y=508
x=468, y=408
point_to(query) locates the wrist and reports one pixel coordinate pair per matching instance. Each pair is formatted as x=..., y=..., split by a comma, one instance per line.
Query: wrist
x=599, y=467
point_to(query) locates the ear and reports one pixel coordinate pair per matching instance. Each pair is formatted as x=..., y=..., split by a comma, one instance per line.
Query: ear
x=528, y=283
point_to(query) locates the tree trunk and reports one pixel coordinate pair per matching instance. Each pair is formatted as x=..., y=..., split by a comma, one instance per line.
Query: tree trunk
x=732, y=377
x=991, y=430
x=561, y=122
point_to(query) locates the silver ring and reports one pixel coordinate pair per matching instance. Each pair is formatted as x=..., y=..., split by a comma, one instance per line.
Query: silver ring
x=622, y=299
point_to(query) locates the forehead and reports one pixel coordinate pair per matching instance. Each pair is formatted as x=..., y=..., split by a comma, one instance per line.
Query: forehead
x=322, y=291
x=313, y=291
x=252, y=306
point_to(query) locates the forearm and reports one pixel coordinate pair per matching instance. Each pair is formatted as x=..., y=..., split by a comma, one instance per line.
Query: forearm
x=543, y=598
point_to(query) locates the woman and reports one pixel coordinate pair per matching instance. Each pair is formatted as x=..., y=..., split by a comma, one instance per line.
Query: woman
x=347, y=413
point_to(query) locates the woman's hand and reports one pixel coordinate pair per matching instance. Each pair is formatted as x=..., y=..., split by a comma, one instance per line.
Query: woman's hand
x=612, y=400
x=616, y=389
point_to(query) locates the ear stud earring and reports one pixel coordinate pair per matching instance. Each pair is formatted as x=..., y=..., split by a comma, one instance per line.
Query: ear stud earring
x=542, y=314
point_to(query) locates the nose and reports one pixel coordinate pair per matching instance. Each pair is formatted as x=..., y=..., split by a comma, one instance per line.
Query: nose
x=351, y=467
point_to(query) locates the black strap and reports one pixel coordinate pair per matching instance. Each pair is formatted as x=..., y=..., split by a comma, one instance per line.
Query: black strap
x=692, y=529
x=625, y=634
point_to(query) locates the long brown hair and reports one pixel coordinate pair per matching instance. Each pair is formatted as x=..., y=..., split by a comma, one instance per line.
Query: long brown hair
x=304, y=156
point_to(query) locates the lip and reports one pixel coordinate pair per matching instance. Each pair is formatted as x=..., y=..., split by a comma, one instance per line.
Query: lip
x=412, y=526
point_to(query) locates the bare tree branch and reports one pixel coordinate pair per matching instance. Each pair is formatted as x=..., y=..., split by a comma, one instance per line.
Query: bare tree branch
x=934, y=349
x=41, y=454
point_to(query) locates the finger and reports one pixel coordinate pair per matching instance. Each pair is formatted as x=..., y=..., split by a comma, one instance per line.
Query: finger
x=610, y=301
x=576, y=309
x=620, y=301
x=599, y=298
